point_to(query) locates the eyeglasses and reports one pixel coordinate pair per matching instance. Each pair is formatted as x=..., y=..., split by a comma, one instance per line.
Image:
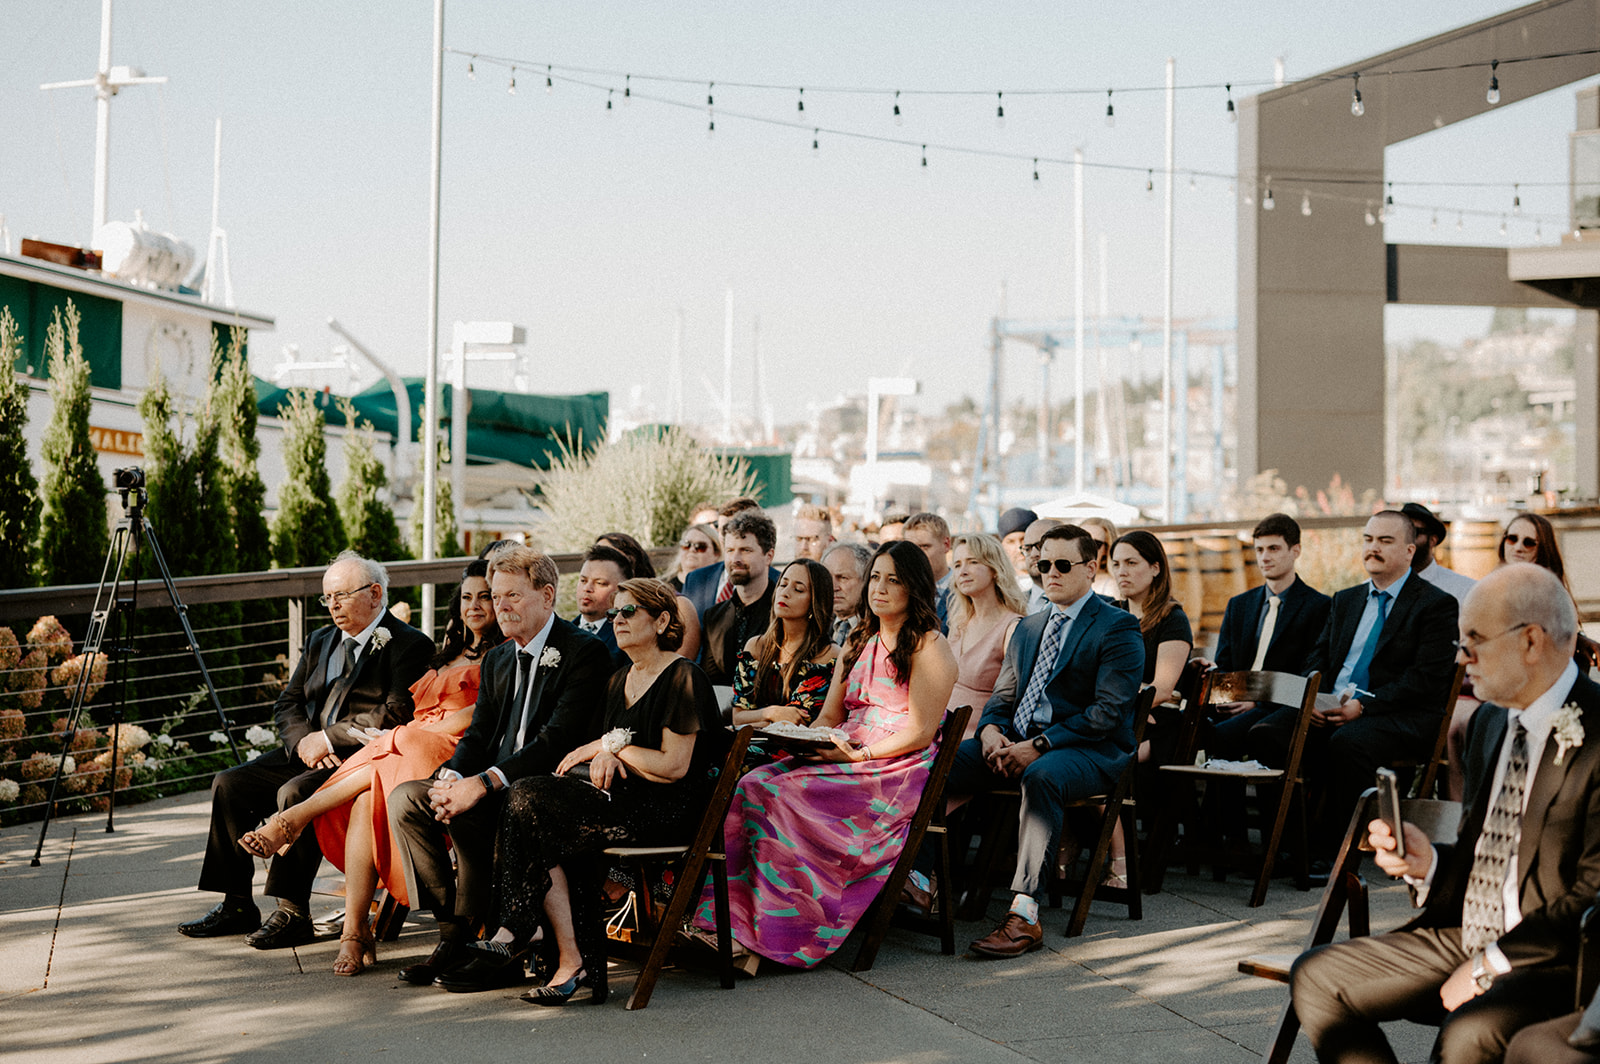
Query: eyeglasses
x=1528, y=542
x=1470, y=649
x=343, y=596
x=695, y=546
x=1032, y=548
x=1060, y=565
x=627, y=611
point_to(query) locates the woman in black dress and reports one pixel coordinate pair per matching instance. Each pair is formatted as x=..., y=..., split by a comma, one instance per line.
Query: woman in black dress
x=646, y=783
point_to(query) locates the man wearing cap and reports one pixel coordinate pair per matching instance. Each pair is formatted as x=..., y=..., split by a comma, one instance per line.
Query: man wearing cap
x=1430, y=533
x=1012, y=530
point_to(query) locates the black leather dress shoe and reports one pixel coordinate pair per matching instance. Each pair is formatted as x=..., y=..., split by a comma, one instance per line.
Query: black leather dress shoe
x=490, y=968
x=446, y=957
x=224, y=918
x=282, y=929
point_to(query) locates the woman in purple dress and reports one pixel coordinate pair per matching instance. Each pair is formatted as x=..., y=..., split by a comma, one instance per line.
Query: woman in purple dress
x=811, y=841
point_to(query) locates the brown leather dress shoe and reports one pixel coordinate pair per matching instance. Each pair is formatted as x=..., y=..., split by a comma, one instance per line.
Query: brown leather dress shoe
x=918, y=901
x=1011, y=939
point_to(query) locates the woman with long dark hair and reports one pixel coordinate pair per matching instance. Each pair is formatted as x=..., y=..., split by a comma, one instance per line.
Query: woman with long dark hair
x=807, y=839
x=639, y=567
x=350, y=812
x=783, y=673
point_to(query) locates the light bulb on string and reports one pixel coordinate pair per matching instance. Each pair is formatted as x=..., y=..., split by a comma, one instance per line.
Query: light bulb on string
x=1305, y=204
x=608, y=98
x=1493, y=95
x=815, y=133
x=1383, y=214
x=1434, y=223
x=1461, y=222
x=1000, y=110
x=1357, y=108
x=627, y=88
x=898, y=119
x=1388, y=200
x=1149, y=180
x=801, y=105
x=1502, y=225
x=711, y=123
x=1538, y=230
x=1111, y=115
x=1370, y=218
x=549, y=83
x=924, y=156
x=1267, y=202
x=472, y=75
x=512, y=87
x=1516, y=200
x=1192, y=184
x=1036, y=170
x=709, y=101
x=1233, y=115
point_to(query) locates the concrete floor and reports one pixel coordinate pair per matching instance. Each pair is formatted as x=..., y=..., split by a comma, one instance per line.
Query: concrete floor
x=91, y=970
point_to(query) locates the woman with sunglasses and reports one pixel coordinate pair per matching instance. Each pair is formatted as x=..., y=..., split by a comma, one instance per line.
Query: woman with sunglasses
x=350, y=812
x=783, y=674
x=809, y=839
x=698, y=547
x=644, y=782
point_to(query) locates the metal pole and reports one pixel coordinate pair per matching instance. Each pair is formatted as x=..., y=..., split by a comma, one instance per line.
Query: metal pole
x=727, y=370
x=430, y=389
x=1166, y=307
x=458, y=423
x=1079, y=413
x=102, y=121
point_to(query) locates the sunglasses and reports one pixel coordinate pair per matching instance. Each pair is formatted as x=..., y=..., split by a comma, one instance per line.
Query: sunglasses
x=698, y=546
x=627, y=611
x=1528, y=542
x=1060, y=565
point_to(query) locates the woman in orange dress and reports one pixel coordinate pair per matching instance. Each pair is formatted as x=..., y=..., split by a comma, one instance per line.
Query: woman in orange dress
x=350, y=811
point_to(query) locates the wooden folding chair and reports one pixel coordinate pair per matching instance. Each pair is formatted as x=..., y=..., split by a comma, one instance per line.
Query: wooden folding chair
x=928, y=821
x=1283, y=689
x=1177, y=806
x=1119, y=806
x=705, y=850
x=1346, y=892
x=1440, y=758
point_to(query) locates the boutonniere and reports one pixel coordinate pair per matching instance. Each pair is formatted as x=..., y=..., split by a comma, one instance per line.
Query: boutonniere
x=379, y=638
x=1567, y=729
x=550, y=658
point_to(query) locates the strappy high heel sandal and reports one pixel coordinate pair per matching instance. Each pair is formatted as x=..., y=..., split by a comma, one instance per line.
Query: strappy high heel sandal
x=561, y=993
x=261, y=843
x=1115, y=879
x=366, y=954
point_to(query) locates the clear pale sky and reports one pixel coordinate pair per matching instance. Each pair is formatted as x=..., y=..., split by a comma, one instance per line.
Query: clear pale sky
x=590, y=227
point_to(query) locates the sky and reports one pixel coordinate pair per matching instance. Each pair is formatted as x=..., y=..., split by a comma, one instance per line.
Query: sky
x=593, y=228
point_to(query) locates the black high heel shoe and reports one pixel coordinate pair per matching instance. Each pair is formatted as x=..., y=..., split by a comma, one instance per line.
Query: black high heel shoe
x=554, y=996
x=494, y=966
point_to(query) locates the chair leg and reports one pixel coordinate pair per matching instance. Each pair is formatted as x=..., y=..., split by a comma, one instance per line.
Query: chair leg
x=1091, y=878
x=1269, y=851
x=980, y=886
x=1129, y=828
x=391, y=918
x=1159, y=845
x=684, y=894
x=1356, y=906
x=1283, y=1037
x=944, y=895
x=719, y=892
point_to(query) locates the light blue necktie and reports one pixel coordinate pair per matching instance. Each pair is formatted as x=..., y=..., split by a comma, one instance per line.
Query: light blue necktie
x=1043, y=666
x=1358, y=675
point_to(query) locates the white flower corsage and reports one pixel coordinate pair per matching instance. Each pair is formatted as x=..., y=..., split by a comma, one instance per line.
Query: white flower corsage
x=380, y=637
x=614, y=740
x=550, y=658
x=1568, y=730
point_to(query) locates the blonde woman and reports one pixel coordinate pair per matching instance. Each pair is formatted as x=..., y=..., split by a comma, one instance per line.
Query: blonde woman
x=985, y=606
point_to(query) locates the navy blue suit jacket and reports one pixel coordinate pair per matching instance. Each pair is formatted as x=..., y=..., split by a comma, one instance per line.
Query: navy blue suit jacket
x=1415, y=658
x=700, y=586
x=1300, y=621
x=1093, y=683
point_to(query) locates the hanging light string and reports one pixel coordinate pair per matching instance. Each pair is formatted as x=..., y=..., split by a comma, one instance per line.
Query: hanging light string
x=1491, y=64
x=552, y=74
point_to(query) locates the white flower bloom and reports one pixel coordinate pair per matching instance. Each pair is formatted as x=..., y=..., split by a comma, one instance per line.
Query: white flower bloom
x=380, y=637
x=217, y=737
x=131, y=737
x=9, y=789
x=252, y=754
x=152, y=764
x=1567, y=730
x=550, y=658
x=164, y=740
x=69, y=766
x=259, y=736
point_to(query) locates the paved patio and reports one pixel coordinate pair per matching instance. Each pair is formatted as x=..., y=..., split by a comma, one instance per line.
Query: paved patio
x=91, y=970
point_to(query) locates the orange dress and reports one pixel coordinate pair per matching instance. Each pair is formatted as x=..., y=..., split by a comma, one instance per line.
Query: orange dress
x=409, y=752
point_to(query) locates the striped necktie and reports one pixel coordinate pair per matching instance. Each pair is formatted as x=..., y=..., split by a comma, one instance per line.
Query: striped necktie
x=1043, y=666
x=1483, y=912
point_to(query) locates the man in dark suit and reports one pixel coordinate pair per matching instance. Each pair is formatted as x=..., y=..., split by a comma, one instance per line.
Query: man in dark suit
x=540, y=696
x=353, y=675
x=748, y=540
x=1273, y=627
x=709, y=584
x=1386, y=652
x=604, y=570
x=1060, y=721
x=1495, y=945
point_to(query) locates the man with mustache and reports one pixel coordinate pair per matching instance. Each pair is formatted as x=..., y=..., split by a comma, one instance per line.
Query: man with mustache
x=1388, y=652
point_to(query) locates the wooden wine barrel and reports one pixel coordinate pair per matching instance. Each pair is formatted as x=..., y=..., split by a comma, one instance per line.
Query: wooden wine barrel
x=1472, y=547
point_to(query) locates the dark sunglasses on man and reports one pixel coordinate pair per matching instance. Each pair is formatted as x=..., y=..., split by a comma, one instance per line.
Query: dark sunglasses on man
x=1060, y=565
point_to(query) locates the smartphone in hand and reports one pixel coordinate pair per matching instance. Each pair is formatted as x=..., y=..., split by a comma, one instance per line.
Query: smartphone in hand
x=1389, y=807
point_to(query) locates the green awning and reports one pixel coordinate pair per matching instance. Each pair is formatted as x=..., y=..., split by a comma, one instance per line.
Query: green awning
x=501, y=426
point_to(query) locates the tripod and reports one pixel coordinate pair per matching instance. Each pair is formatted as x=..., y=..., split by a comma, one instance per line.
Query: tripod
x=132, y=532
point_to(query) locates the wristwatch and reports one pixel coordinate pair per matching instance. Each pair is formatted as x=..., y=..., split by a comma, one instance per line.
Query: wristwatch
x=1041, y=744
x=1482, y=974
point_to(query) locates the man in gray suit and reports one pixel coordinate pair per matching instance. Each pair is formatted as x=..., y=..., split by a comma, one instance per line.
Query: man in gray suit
x=1060, y=721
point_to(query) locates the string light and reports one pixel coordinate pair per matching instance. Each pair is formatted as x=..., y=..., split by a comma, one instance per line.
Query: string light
x=1434, y=224
x=1516, y=200
x=898, y=120
x=1149, y=180
x=627, y=88
x=608, y=99
x=1502, y=225
x=815, y=133
x=1305, y=204
x=1357, y=108
x=802, y=102
x=1267, y=202
x=1192, y=184
x=1493, y=95
x=1370, y=218
x=1460, y=222
x=549, y=83
x=1036, y=169
x=709, y=101
x=711, y=124
x=1000, y=110
x=924, y=156
x=1538, y=231
x=472, y=75
x=1233, y=116
x=512, y=88
x=1111, y=115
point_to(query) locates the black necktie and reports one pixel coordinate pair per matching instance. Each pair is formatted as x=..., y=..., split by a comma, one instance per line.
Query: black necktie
x=347, y=672
x=514, y=719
